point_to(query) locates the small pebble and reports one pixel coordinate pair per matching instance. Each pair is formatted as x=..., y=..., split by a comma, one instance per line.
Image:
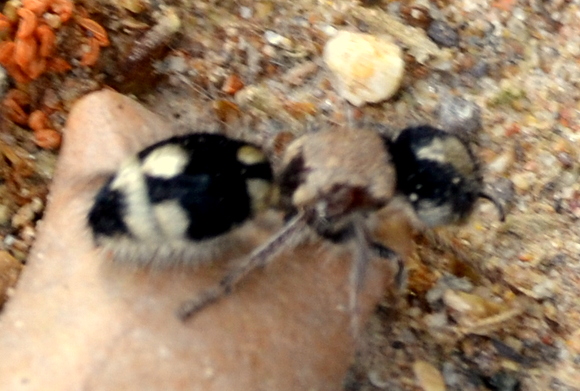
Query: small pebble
x=3, y=81
x=26, y=213
x=135, y=6
x=296, y=76
x=416, y=15
x=378, y=380
x=9, y=270
x=327, y=29
x=366, y=68
x=573, y=342
x=23, y=216
x=232, y=84
x=436, y=321
x=460, y=116
x=565, y=159
x=428, y=377
x=445, y=283
x=460, y=303
x=443, y=34
x=4, y=214
x=503, y=381
x=523, y=181
x=455, y=377
x=503, y=190
x=544, y=290
x=480, y=69
x=246, y=12
x=277, y=40
x=53, y=20
x=176, y=64
x=503, y=162
x=47, y=138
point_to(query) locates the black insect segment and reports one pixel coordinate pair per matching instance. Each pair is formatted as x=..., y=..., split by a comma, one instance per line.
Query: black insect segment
x=438, y=174
x=200, y=180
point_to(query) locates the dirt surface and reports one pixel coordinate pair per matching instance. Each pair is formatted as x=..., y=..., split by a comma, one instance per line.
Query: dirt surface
x=489, y=305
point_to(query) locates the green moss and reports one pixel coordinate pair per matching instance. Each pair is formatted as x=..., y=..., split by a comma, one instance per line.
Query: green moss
x=507, y=97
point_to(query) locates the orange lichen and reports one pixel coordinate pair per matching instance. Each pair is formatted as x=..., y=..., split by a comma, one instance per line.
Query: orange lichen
x=5, y=24
x=47, y=138
x=36, y=67
x=16, y=73
x=19, y=97
x=44, y=135
x=98, y=38
x=47, y=40
x=13, y=104
x=58, y=65
x=13, y=107
x=38, y=120
x=27, y=24
x=6, y=52
x=39, y=7
x=14, y=112
x=28, y=52
x=23, y=62
x=95, y=29
x=25, y=51
x=63, y=8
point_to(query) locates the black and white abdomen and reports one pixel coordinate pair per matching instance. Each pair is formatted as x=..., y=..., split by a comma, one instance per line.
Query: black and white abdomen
x=180, y=194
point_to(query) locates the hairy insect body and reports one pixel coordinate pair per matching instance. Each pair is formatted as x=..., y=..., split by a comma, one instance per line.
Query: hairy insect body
x=187, y=196
x=185, y=191
x=331, y=174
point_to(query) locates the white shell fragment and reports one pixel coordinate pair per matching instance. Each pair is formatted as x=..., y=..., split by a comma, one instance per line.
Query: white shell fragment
x=367, y=68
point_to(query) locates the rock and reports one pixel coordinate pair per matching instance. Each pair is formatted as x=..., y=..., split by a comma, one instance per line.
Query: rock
x=3, y=81
x=428, y=377
x=503, y=381
x=443, y=34
x=275, y=39
x=367, y=68
x=10, y=268
x=460, y=116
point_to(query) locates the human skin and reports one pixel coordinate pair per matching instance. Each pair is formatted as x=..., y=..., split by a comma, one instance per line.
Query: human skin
x=78, y=320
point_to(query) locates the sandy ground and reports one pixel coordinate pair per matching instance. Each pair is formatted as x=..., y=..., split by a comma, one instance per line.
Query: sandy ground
x=489, y=305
